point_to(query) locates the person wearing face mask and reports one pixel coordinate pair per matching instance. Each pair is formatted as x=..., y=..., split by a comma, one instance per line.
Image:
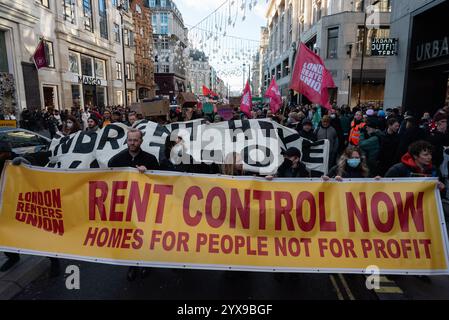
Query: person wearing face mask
x=352, y=164
x=356, y=128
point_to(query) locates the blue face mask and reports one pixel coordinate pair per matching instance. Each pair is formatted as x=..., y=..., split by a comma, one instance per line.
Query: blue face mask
x=353, y=163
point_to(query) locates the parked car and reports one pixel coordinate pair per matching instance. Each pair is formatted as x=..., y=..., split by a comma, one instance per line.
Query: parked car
x=30, y=145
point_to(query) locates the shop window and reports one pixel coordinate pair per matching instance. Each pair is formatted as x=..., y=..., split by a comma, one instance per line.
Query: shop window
x=87, y=66
x=100, y=69
x=50, y=96
x=76, y=95
x=382, y=32
x=101, y=96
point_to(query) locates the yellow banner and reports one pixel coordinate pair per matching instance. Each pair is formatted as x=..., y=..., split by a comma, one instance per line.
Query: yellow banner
x=8, y=123
x=217, y=222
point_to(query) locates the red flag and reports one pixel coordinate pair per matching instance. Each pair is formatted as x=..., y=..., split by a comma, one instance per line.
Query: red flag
x=247, y=101
x=311, y=78
x=275, y=96
x=206, y=91
x=39, y=57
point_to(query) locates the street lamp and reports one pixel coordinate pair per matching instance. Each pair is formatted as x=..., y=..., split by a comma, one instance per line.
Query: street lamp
x=363, y=50
x=121, y=9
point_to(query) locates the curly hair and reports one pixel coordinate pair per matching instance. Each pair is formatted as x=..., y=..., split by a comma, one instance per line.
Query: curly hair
x=347, y=154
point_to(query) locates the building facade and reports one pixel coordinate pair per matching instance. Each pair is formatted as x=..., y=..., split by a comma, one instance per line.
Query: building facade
x=170, y=48
x=199, y=72
x=83, y=48
x=334, y=29
x=144, y=66
x=418, y=77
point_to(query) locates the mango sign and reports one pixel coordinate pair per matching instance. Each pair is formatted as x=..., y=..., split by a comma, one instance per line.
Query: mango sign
x=177, y=220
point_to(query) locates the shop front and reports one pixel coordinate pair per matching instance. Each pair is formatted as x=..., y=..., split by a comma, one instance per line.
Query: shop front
x=427, y=76
x=88, y=80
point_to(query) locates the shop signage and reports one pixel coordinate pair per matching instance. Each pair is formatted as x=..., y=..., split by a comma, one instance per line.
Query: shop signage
x=432, y=49
x=89, y=80
x=384, y=47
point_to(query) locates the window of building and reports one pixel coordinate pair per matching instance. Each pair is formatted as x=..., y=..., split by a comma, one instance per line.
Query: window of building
x=115, y=3
x=50, y=94
x=281, y=32
x=74, y=66
x=103, y=19
x=88, y=18
x=164, y=30
x=165, y=68
x=154, y=21
x=382, y=32
x=69, y=10
x=87, y=66
x=116, y=33
x=76, y=95
x=285, y=68
x=152, y=3
x=278, y=72
x=49, y=53
x=126, y=37
x=332, y=43
x=3, y=55
x=119, y=95
x=45, y=3
x=165, y=43
x=138, y=9
x=118, y=71
x=100, y=69
x=163, y=3
x=130, y=72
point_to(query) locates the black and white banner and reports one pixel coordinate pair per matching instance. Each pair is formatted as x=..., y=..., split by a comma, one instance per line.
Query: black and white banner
x=258, y=142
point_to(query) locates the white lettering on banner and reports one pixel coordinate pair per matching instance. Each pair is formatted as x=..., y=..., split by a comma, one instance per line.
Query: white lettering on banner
x=312, y=75
x=258, y=142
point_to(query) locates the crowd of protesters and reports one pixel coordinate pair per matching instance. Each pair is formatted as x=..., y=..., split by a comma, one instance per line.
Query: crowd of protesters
x=364, y=142
x=381, y=138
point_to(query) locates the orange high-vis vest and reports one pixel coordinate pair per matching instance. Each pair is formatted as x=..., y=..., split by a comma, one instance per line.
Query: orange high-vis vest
x=354, y=135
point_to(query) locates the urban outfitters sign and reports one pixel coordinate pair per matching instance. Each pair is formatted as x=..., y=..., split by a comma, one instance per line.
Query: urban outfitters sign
x=432, y=49
x=384, y=47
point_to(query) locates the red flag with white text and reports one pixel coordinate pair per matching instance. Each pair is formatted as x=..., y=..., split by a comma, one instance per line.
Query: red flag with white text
x=311, y=78
x=246, y=103
x=275, y=96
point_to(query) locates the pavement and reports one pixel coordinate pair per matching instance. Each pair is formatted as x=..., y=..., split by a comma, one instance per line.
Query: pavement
x=16, y=279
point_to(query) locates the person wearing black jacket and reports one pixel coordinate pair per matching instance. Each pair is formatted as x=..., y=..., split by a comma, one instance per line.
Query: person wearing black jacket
x=134, y=157
x=307, y=130
x=292, y=167
x=389, y=146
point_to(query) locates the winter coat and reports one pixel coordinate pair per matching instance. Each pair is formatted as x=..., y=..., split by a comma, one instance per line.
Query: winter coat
x=408, y=168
